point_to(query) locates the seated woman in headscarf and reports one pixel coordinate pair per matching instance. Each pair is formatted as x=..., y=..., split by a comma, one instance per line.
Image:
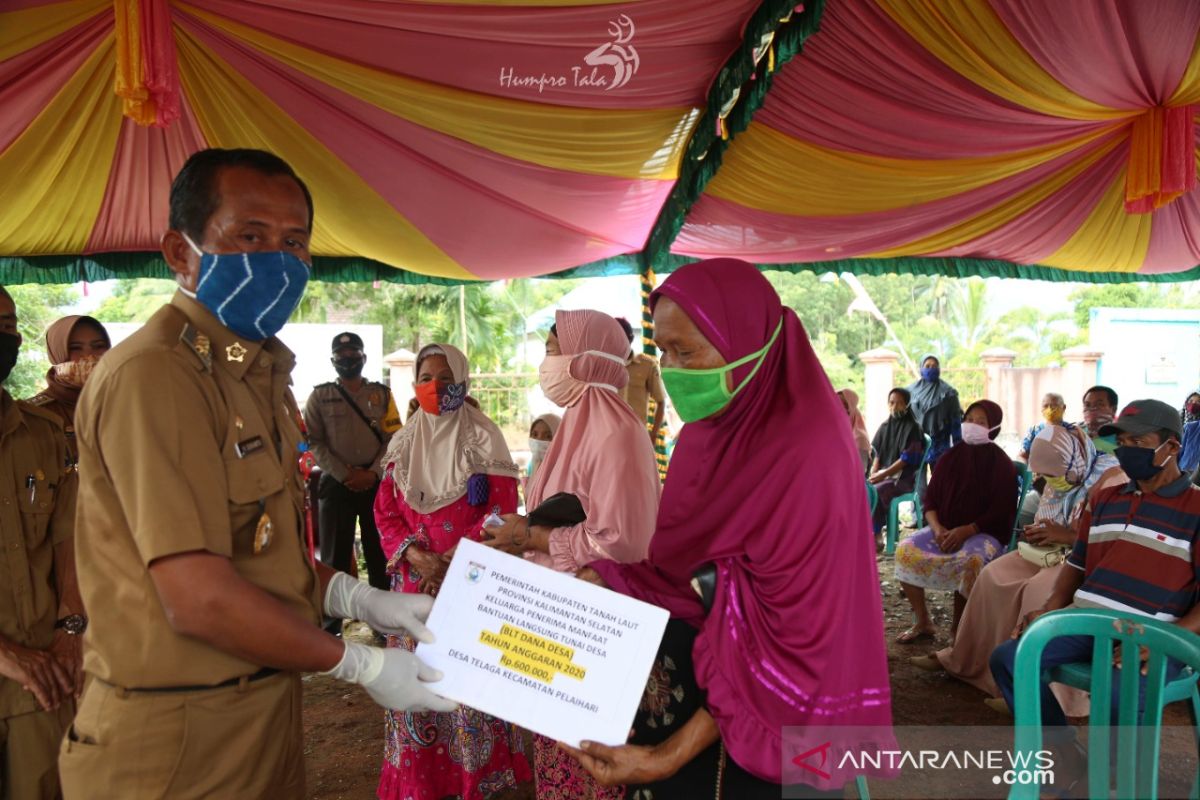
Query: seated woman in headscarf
x=444, y=472
x=541, y=434
x=935, y=405
x=1189, y=454
x=602, y=455
x=858, y=425
x=74, y=345
x=970, y=507
x=1012, y=586
x=899, y=448
x=786, y=625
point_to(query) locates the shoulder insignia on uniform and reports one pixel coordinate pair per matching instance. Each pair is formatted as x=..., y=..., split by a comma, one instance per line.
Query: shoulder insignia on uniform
x=41, y=399
x=34, y=410
x=199, y=344
x=323, y=385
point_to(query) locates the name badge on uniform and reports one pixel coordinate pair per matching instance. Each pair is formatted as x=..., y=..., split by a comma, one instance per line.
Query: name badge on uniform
x=248, y=446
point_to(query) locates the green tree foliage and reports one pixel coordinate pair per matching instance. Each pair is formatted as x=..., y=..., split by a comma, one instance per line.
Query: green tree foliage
x=135, y=300
x=37, y=307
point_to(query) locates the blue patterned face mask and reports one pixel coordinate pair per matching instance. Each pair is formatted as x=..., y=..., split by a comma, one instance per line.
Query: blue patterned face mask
x=252, y=294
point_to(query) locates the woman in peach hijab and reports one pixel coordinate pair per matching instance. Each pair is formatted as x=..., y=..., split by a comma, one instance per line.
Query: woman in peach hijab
x=74, y=344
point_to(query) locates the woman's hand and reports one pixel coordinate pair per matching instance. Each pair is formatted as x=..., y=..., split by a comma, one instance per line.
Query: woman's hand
x=953, y=540
x=513, y=537
x=1049, y=533
x=591, y=576
x=430, y=566
x=629, y=763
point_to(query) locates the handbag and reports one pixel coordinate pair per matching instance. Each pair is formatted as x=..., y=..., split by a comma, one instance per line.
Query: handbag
x=561, y=510
x=1043, y=555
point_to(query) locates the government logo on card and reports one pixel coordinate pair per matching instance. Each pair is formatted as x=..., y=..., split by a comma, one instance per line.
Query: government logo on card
x=475, y=572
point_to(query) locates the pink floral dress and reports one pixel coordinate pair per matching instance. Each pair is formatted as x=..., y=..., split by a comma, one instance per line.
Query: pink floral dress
x=465, y=754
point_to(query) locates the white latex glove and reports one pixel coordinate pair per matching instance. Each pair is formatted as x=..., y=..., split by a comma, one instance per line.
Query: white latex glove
x=386, y=612
x=393, y=677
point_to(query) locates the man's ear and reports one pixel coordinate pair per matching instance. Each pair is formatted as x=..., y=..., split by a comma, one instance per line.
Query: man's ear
x=181, y=258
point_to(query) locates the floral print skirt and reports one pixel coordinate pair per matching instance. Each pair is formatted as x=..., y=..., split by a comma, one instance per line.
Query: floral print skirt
x=920, y=562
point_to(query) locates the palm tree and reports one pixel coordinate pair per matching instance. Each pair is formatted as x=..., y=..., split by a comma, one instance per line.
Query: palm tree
x=971, y=319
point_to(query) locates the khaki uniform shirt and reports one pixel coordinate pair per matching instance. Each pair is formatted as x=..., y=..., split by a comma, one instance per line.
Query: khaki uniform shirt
x=48, y=402
x=338, y=436
x=187, y=437
x=37, y=512
x=644, y=382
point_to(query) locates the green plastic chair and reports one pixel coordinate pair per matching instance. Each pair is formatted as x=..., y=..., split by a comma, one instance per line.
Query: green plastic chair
x=893, y=523
x=872, y=496
x=860, y=785
x=1138, y=740
x=1026, y=480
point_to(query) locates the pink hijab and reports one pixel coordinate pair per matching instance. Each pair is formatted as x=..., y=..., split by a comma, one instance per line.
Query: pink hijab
x=859, y=425
x=601, y=453
x=772, y=494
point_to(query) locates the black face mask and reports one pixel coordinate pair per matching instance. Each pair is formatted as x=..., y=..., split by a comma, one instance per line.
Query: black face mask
x=10, y=344
x=350, y=367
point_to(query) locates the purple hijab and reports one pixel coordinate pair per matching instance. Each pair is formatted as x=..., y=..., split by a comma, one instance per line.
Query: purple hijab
x=771, y=492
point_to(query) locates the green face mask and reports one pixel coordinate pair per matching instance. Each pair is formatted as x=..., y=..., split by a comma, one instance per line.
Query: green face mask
x=1106, y=444
x=700, y=393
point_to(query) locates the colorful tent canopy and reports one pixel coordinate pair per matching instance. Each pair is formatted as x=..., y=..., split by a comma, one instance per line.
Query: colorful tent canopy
x=479, y=139
x=972, y=138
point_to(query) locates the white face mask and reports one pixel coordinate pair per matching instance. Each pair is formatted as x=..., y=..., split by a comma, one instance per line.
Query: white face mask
x=974, y=433
x=562, y=388
x=538, y=448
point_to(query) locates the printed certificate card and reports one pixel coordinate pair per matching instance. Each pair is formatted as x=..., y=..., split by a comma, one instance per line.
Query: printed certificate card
x=541, y=649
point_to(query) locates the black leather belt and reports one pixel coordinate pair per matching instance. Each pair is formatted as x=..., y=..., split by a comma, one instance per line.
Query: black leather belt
x=265, y=672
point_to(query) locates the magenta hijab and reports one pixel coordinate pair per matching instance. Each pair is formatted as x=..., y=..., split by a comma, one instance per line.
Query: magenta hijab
x=771, y=493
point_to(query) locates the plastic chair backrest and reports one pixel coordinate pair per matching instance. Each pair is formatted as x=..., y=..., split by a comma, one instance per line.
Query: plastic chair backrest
x=1137, y=747
x=872, y=496
x=1024, y=481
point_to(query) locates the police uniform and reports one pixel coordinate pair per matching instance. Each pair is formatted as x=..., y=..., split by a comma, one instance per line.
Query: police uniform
x=340, y=438
x=188, y=441
x=37, y=512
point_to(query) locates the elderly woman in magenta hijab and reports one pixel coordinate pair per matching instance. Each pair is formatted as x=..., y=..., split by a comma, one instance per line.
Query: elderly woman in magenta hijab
x=786, y=627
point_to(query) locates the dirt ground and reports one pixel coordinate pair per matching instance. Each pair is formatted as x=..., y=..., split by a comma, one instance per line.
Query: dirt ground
x=344, y=728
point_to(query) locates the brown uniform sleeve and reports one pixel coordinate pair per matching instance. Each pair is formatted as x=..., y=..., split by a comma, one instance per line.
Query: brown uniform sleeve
x=657, y=391
x=155, y=432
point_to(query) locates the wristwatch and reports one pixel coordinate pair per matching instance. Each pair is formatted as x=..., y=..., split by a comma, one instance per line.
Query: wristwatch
x=74, y=624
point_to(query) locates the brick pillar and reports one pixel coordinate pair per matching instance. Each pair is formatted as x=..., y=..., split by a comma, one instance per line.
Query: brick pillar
x=880, y=379
x=1080, y=373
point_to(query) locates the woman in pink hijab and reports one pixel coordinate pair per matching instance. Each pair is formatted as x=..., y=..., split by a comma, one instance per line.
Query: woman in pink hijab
x=776, y=615
x=600, y=454
x=862, y=441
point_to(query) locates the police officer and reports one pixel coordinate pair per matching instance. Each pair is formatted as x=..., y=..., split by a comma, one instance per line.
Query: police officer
x=350, y=421
x=192, y=556
x=41, y=614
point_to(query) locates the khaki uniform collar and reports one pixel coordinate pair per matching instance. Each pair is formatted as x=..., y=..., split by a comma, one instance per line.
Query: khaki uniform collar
x=232, y=353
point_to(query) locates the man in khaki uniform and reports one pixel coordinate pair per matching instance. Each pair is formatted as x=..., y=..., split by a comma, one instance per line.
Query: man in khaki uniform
x=40, y=611
x=350, y=422
x=645, y=381
x=192, y=551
